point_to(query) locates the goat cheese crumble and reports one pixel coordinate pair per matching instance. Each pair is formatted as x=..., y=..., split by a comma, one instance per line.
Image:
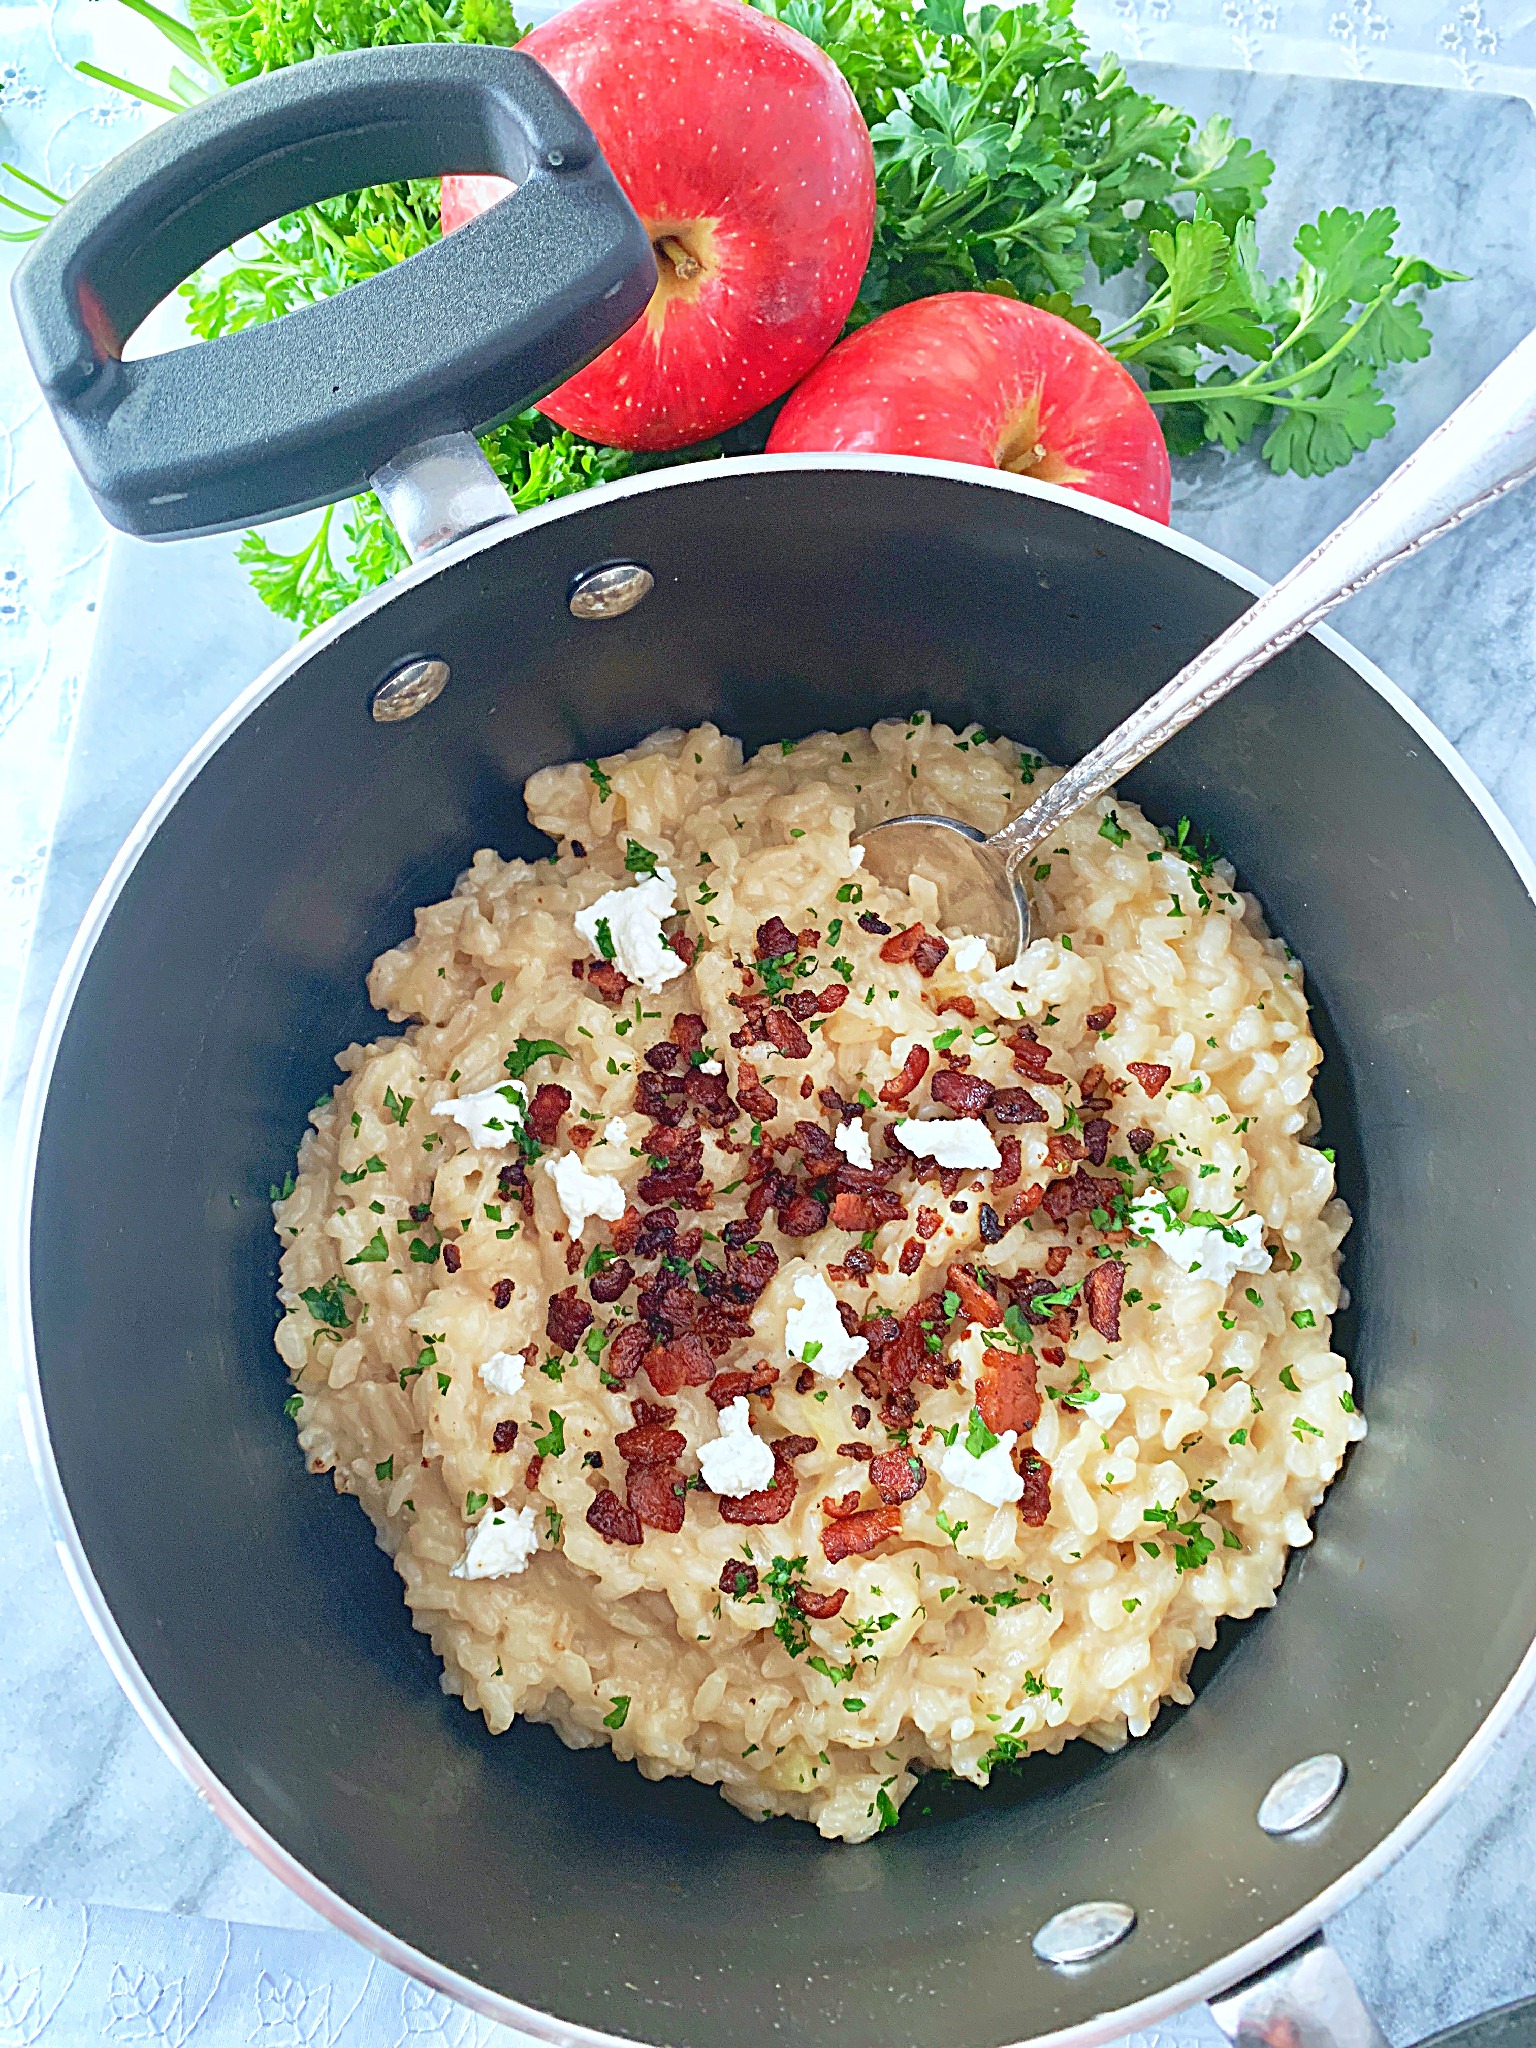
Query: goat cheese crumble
x=503, y=1372
x=961, y=1141
x=710, y=1067
x=493, y=1117
x=814, y=1333
x=736, y=1462
x=498, y=1547
x=1216, y=1252
x=969, y=954
x=852, y=1140
x=583, y=1195
x=632, y=918
x=982, y=1463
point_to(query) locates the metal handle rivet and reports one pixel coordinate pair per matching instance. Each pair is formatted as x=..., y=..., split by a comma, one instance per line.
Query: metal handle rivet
x=609, y=593
x=1302, y=1794
x=411, y=688
x=1082, y=1932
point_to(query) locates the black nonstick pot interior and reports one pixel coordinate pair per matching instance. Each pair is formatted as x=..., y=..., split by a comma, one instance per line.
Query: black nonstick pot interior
x=253, y=1599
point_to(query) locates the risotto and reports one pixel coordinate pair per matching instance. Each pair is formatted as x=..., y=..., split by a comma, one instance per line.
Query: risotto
x=773, y=1341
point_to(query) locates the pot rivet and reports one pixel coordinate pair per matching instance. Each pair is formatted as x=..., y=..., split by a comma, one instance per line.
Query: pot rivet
x=1082, y=1932
x=609, y=593
x=1302, y=1794
x=410, y=689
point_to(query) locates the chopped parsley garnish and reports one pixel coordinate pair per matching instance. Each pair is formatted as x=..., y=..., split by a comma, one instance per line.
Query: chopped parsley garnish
x=620, y=1712
x=978, y=1438
x=281, y=1194
x=527, y=1050
x=605, y=944
x=1112, y=830
x=399, y=1106
x=784, y=1578
x=1196, y=1547
x=325, y=1303
x=374, y=1253
x=552, y=1443
x=496, y=992
x=639, y=860
x=1304, y=1319
x=953, y=1530
x=386, y=1469
x=473, y=1503
x=603, y=785
x=292, y=1405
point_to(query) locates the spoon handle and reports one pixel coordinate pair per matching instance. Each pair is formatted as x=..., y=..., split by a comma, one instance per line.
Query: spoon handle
x=1485, y=448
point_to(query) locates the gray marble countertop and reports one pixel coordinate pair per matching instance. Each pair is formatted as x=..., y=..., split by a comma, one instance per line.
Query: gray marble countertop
x=93, y=1812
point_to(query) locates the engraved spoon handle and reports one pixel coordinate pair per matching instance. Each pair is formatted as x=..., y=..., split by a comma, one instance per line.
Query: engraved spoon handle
x=1485, y=448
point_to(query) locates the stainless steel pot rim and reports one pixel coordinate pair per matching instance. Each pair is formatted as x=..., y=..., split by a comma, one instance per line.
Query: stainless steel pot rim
x=1243, y=1962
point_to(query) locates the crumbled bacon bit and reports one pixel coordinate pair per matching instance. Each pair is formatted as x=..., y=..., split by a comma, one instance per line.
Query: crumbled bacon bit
x=686, y=1362
x=709, y=1097
x=785, y=1035
x=806, y=1085
x=567, y=1320
x=922, y=948
x=1017, y=1106
x=911, y=1256
x=1031, y=1057
x=868, y=922
x=1154, y=1079
x=725, y=1387
x=818, y=1606
x=855, y=1535
x=627, y=1230
x=860, y=1416
x=612, y=1520
x=1035, y=1501
x=846, y=1504
x=1080, y=1190
x=664, y=1057
x=801, y=1004
x=802, y=1217
x=658, y=1495
x=861, y=1454
x=1024, y=1203
x=687, y=1031
x=609, y=983
x=900, y=1086
x=965, y=1094
x=1100, y=1020
x=773, y=1502
x=683, y=946
x=453, y=1258
x=612, y=1281
x=1101, y=1291
x=504, y=1436
x=535, y=1467
x=1053, y=1354
x=977, y=1303
x=989, y=1224
x=1012, y=1163
x=805, y=1379
x=775, y=939
x=582, y=1136
x=962, y=1004
x=738, y=1579
x=857, y=1266
x=650, y=1443
x=928, y=1222
x=647, y=1413
x=1096, y=1139
x=1006, y=1391
x=897, y=1475
x=1056, y=1258
x=578, y=969
x=832, y=997
x=759, y=1102
x=625, y=1353
x=501, y=1293
x=550, y=1102
x=1140, y=1140
x=1063, y=1147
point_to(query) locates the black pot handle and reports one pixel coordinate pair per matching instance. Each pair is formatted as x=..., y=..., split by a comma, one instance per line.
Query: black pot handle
x=302, y=411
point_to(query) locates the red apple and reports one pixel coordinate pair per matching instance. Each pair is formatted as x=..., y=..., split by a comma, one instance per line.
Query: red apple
x=743, y=150
x=974, y=377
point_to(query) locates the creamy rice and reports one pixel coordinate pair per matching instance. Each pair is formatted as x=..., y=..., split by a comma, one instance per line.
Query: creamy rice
x=1184, y=1435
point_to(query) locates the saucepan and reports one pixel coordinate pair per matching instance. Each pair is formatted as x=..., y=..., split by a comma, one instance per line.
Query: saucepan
x=244, y=1606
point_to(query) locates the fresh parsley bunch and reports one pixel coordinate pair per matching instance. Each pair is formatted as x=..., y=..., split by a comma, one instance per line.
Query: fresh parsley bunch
x=1005, y=162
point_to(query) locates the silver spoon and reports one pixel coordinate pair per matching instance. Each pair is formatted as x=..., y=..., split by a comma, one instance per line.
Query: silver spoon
x=1485, y=448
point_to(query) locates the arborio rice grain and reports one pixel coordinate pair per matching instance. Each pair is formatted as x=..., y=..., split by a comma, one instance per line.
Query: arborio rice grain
x=521, y=1411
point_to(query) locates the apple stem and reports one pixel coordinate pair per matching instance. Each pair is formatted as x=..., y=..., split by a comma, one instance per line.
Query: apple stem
x=685, y=264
